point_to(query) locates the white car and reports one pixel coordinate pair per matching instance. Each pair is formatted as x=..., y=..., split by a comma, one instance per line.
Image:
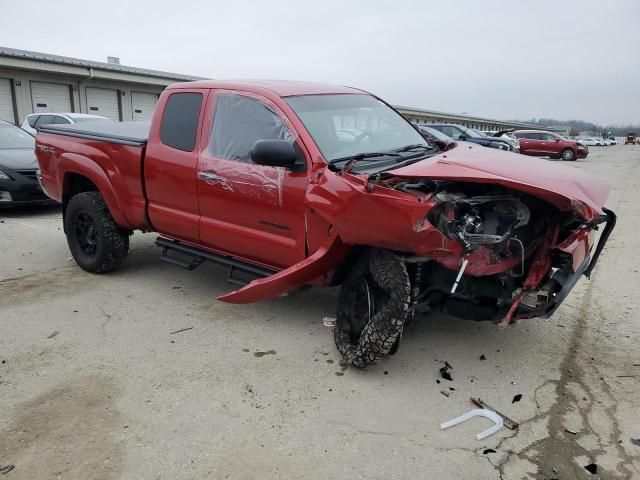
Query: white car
x=589, y=141
x=34, y=120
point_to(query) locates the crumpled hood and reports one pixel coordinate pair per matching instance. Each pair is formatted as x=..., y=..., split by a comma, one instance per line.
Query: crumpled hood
x=560, y=185
x=18, y=159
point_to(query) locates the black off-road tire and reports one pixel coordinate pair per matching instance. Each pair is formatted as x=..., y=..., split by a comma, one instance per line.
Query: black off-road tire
x=363, y=341
x=97, y=244
x=568, y=155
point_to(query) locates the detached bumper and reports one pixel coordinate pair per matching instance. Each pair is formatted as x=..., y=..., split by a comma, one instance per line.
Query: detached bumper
x=22, y=189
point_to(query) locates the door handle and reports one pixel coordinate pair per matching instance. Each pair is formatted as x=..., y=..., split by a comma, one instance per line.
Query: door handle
x=209, y=177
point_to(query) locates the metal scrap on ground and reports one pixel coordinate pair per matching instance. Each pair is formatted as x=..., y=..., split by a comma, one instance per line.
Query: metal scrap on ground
x=4, y=469
x=508, y=422
x=181, y=330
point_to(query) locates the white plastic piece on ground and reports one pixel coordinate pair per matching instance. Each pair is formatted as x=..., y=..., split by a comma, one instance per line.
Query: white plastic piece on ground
x=465, y=262
x=478, y=412
x=329, y=322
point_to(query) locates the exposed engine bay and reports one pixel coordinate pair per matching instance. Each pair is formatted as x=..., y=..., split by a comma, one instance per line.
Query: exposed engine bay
x=510, y=232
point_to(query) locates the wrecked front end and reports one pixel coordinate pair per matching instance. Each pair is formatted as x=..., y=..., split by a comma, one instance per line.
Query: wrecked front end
x=504, y=254
x=478, y=250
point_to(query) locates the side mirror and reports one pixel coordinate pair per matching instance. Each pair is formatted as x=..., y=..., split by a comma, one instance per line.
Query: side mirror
x=558, y=139
x=462, y=137
x=275, y=153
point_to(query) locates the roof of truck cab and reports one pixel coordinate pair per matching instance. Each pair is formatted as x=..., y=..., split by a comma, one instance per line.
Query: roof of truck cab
x=282, y=88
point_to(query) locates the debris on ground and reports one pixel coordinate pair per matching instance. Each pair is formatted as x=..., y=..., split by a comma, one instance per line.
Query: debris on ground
x=482, y=357
x=517, y=398
x=445, y=372
x=572, y=432
x=488, y=450
x=53, y=334
x=329, y=322
x=478, y=412
x=4, y=469
x=181, y=330
x=592, y=468
x=635, y=441
x=508, y=422
x=445, y=393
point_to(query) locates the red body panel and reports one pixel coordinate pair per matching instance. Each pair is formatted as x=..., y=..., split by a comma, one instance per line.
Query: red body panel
x=300, y=223
x=115, y=169
x=560, y=185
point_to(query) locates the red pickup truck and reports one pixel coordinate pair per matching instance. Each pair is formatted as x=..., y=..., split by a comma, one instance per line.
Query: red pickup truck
x=291, y=184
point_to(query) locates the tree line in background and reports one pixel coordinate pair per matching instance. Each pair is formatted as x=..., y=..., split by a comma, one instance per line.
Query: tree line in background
x=577, y=126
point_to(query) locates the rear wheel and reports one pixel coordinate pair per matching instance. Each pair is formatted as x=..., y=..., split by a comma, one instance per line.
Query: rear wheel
x=568, y=155
x=97, y=244
x=372, y=308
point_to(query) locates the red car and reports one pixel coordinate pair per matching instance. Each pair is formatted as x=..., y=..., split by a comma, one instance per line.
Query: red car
x=294, y=184
x=548, y=144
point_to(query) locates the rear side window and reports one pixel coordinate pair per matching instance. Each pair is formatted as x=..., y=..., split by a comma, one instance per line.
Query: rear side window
x=179, y=125
x=32, y=119
x=44, y=120
x=529, y=135
x=60, y=120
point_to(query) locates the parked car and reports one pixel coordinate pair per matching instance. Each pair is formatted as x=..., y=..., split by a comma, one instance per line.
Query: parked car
x=253, y=176
x=509, y=137
x=458, y=132
x=18, y=168
x=548, y=144
x=588, y=141
x=444, y=142
x=36, y=120
x=631, y=139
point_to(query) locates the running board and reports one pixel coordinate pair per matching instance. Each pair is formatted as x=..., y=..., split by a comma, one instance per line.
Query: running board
x=188, y=257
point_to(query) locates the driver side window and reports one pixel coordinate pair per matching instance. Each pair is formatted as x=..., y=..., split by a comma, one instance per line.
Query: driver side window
x=240, y=121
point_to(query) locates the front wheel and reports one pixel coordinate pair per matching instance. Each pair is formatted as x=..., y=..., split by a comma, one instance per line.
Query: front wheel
x=372, y=308
x=568, y=155
x=97, y=244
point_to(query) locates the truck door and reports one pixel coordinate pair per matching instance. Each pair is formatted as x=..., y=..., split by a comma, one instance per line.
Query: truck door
x=170, y=164
x=251, y=211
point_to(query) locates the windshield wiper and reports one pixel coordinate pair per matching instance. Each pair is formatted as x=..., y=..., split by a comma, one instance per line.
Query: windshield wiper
x=413, y=147
x=362, y=156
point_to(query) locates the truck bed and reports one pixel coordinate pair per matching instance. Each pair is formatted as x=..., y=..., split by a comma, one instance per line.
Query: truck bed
x=134, y=134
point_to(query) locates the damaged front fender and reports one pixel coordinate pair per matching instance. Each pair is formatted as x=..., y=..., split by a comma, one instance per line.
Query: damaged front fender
x=325, y=259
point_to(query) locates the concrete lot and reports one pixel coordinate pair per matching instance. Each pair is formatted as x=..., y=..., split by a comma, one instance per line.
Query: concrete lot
x=257, y=391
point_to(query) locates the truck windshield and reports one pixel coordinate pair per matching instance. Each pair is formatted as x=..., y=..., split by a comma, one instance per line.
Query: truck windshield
x=346, y=125
x=15, y=138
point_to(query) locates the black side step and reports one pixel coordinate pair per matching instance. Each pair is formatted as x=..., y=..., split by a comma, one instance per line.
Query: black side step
x=186, y=256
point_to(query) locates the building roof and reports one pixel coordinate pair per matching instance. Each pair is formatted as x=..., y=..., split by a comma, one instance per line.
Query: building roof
x=282, y=88
x=77, y=62
x=459, y=117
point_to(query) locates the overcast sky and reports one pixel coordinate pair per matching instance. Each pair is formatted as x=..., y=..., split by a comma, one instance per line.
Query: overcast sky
x=499, y=59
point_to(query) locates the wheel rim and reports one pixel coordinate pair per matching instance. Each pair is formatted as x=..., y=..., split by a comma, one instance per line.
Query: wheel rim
x=86, y=234
x=568, y=155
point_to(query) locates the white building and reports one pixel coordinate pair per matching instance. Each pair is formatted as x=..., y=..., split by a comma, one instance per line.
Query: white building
x=39, y=82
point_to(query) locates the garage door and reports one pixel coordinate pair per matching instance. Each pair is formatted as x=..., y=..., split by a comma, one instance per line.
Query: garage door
x=103, y=101
x=50, y=97
x=6, y=101
x=143, y=105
